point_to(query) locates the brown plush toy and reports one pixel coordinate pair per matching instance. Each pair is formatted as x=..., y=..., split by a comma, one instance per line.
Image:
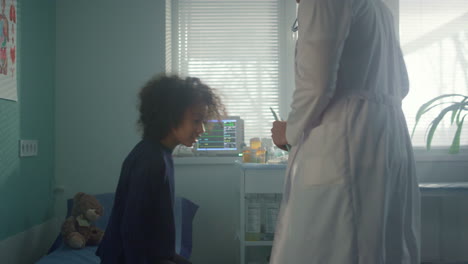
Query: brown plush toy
x=78, y=230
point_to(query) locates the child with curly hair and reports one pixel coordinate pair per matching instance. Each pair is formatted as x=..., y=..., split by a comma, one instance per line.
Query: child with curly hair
x=141, y=227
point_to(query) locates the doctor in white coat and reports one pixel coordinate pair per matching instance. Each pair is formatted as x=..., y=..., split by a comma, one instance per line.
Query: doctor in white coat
x=351, y=195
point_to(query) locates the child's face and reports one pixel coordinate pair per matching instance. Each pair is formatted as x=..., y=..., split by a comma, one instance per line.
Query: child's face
x=191, y=126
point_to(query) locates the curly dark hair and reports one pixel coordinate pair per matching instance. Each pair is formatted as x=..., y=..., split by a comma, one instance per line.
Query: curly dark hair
x=164, y=100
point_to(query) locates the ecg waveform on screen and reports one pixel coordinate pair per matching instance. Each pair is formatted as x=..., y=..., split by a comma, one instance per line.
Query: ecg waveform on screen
x=219, y=136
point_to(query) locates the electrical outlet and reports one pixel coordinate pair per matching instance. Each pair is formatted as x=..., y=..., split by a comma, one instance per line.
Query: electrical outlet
x=28, y=148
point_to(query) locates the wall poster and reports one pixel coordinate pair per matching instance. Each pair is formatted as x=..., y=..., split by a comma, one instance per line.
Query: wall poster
x=8, y=49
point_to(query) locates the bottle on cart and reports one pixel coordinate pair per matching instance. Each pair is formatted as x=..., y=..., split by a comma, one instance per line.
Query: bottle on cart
x=261, y=155
x=271, y=206
x=253, y=218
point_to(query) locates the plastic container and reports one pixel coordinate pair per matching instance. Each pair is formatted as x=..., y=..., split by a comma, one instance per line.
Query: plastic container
x=261, y=155
x=253, y=218
x=247, y=155
x=271, y=209
x=255, y=143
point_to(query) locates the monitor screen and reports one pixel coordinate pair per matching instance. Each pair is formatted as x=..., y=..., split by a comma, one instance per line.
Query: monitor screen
x=222, y=137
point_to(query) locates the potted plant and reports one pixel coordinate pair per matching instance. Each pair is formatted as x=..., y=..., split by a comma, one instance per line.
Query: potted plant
x=458, y=107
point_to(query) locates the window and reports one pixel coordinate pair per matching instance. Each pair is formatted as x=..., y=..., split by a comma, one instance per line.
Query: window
x=245, y=49
x=241, y=49
x=434, y=39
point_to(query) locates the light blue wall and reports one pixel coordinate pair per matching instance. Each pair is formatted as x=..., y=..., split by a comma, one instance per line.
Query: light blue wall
x=106, y=50
x=26, y=197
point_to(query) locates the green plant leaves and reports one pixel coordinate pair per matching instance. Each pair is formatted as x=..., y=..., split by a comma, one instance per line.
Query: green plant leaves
x=463, y=104
x=455, y=147
x=427, y=107
x=456, y=107
x=418, y=117
x=436, y=121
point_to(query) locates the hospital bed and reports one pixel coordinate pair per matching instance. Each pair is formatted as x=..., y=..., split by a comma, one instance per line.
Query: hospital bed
x=184, y=212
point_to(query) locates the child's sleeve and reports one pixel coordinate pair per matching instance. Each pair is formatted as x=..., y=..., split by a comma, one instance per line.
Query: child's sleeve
x=148, y=229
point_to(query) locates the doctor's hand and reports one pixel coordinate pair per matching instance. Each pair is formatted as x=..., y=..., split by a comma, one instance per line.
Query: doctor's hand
x=278, y=134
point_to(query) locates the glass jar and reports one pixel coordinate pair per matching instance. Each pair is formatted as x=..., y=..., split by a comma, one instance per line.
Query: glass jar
x=247, y=155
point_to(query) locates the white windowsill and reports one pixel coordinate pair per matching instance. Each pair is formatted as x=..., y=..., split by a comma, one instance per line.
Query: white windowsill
x=421, y=155
x=439, y=155
x=206, y=160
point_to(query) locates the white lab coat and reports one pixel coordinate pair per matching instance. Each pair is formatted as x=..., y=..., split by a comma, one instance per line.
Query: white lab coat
x=351, y=194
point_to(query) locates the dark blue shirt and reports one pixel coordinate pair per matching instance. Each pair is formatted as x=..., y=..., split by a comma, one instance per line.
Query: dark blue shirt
x=141, y=227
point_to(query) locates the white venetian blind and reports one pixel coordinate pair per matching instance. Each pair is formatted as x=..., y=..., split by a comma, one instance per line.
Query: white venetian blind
x=233, y=46
x=434, y=39
x=168, y=36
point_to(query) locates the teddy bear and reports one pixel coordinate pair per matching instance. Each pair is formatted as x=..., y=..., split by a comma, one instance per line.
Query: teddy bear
x=78, y=230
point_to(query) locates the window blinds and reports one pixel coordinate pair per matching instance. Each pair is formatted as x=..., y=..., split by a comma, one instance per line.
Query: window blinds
x=233, y=46
x=434, y=39
x=168, y=25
